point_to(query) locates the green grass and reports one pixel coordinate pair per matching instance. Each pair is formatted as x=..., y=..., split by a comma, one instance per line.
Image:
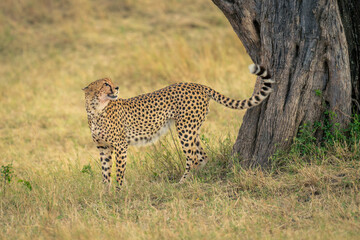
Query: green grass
x=311, y=201
x=49, y=50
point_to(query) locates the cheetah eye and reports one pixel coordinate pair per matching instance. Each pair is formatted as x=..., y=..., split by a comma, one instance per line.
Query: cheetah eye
x=106, y=84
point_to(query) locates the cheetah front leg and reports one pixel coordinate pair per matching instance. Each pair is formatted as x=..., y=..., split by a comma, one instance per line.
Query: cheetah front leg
x=120, y=156
x=106, y=163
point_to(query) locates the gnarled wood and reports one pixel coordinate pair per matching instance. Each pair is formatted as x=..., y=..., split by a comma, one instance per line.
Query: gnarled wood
x=350, y=16
x=303, y=43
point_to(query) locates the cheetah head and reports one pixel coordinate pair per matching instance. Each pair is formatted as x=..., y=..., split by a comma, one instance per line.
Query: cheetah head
x=98, y=95
x=102, y=89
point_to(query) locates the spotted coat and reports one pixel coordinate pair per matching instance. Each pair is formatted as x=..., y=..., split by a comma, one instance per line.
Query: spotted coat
x=117, y=123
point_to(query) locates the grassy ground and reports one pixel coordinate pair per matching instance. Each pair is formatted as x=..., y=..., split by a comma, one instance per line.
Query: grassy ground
x=49, y=50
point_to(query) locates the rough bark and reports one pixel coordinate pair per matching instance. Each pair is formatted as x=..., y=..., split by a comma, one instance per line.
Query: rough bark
x=350, y=16
x=304, y=45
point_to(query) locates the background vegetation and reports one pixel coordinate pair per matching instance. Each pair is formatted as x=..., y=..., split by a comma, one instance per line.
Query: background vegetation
x=50, y=177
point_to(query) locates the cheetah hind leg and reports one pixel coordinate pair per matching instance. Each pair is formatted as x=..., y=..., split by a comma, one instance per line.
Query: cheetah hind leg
x=202, y=157
x=196, y=157
x=190, y=151
x=190, y=160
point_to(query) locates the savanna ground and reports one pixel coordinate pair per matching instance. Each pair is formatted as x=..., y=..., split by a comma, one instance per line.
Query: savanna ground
x=51, y=183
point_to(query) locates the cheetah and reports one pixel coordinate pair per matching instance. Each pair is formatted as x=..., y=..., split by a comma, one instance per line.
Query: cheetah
x=116, y=123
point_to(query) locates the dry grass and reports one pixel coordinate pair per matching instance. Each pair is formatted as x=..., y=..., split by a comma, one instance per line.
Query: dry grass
x=49, y=50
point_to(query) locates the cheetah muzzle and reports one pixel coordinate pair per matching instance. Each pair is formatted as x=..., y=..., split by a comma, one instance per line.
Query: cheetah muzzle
x=117, y=123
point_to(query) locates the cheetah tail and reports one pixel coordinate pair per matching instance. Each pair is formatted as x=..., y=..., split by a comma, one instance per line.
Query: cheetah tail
x=256, y=99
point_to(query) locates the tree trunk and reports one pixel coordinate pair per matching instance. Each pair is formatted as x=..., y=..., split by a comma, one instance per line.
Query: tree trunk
x=305, y=46
x=350, y=16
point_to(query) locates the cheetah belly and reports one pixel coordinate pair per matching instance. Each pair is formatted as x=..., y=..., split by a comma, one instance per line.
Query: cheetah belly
x=142, y=140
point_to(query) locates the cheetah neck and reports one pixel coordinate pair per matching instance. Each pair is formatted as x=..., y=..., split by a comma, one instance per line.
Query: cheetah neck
x=95, y=107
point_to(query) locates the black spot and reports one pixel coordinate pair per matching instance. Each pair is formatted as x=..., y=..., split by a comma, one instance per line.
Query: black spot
x=262, y=70
x=267, y=85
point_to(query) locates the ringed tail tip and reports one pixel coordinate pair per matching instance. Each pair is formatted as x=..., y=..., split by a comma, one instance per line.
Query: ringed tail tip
x=259, y=71
x=253, y=68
